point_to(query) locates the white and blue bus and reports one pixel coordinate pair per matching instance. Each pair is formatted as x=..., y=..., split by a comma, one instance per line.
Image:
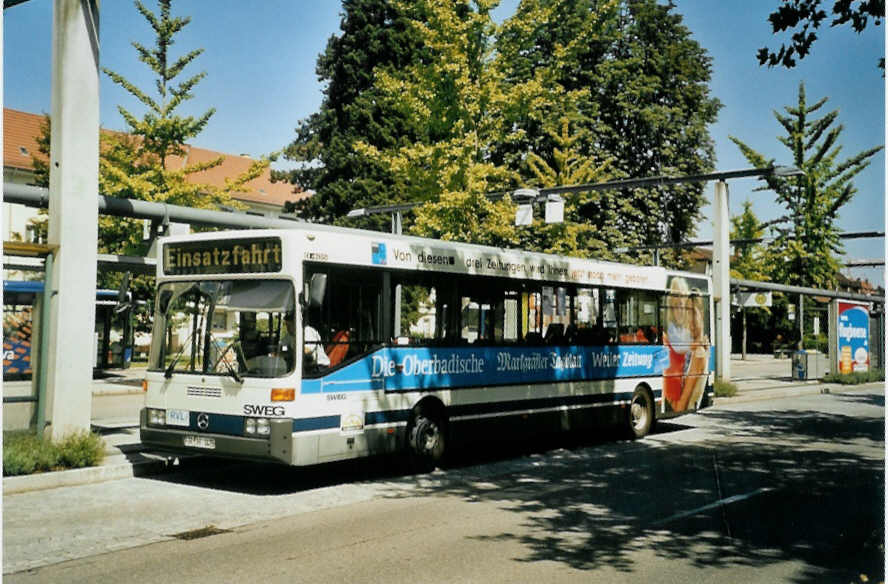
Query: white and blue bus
x=318, y=344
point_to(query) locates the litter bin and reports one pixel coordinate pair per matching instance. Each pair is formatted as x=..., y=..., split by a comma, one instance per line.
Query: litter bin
x=809, y=365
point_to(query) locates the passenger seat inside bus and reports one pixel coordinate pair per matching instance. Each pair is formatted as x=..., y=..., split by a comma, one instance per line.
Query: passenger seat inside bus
x=338, y=348
x=533, y=339
x=555, y=334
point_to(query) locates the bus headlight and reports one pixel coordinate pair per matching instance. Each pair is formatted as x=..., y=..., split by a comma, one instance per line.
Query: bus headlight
x=257, y=427
x=156, y=417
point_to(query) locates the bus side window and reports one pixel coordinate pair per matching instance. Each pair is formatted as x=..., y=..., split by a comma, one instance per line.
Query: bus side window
x=609, y=317
x=638, y=316
x=415, y=313
x=349, y=316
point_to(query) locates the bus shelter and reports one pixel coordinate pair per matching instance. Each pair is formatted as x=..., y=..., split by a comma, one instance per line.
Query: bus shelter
x=22, y=327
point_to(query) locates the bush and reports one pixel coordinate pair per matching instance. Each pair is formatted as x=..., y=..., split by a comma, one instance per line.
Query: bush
x=724, y=389
x=81, y=449
x=856, y=378
x=818, y=343
x=25, y=453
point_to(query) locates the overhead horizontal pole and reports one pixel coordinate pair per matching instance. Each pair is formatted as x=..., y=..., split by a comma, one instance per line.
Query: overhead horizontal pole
x=39, y=197
x=705, y=243
x=871, y=263
x=119, y=263
x=672, y=180
x=782, y=171
x=756, y=285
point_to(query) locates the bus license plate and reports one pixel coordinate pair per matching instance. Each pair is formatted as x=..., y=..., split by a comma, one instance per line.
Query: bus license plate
x=178, y=418
x=200, y=442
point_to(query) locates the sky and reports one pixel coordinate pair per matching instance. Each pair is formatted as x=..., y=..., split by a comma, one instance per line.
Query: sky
x=260, y=62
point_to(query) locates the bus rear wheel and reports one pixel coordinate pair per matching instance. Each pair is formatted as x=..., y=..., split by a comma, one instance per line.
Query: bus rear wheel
x=640, y=417
x=427, y=440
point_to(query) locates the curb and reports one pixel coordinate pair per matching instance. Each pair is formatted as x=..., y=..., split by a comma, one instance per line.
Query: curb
x=751, y=395
x=82, y=476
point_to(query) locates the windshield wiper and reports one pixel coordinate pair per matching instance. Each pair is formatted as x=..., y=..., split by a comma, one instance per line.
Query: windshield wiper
x=231, y=370
x=169, y=370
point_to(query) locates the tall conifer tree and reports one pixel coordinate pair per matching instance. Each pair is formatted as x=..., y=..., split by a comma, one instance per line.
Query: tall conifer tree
x=805, y=250
x=375, y=36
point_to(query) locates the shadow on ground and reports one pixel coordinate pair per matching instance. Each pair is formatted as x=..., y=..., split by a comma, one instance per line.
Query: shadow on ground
x=803, y=486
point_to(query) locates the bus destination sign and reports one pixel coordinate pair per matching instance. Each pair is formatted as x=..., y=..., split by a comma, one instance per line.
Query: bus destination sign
x=222, y=256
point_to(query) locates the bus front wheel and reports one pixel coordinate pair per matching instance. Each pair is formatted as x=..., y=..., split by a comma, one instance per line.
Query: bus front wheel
x=640, y=418
x=427, y=440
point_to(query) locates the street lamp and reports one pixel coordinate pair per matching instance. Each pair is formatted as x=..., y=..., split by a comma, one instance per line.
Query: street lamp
x=524, y=199
x=784, y=171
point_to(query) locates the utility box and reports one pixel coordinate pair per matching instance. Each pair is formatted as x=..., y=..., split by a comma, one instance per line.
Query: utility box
x=809, y=365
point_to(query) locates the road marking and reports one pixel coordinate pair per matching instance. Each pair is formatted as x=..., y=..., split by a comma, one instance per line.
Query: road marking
x=713, y=505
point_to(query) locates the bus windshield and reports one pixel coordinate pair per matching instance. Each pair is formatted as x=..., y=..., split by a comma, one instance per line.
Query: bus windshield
x=231, y=327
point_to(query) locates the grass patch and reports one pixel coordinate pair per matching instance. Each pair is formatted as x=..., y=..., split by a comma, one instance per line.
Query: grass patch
x=24, y=453
x=856, y=378
x=724, y=388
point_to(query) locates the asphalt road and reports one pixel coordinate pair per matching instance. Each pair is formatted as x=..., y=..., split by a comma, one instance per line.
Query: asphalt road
x=788, y=490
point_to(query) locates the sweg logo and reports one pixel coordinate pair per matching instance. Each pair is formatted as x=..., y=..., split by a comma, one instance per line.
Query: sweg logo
x=262, y=410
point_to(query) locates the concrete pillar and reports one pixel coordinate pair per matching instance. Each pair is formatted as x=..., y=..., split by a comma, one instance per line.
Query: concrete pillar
x=721, y=281
x=73, y=215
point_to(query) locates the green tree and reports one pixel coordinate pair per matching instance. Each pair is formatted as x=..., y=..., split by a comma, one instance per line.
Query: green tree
x=470, y=108
x=652, y=91
x=575, y=236
x=376, y=35
x=804, y=253
x=547, y=52
x=551, y=129
x=163, y=133
x=749, y=261
x=135, y=165
x=806, y=16
x=635, y=84
x=453, y=99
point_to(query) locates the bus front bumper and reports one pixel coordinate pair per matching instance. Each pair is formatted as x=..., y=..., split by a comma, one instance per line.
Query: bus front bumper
x=277, y=447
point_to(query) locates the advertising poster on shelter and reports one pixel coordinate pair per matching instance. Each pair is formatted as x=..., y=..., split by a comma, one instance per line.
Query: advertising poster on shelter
x=853, y=337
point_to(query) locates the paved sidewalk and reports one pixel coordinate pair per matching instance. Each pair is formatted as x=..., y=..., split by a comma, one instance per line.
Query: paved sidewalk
x=760, y=377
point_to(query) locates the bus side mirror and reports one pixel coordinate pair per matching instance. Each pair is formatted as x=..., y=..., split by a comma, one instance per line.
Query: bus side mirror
x=123, y=303
x=163, y=301
x=317, y=288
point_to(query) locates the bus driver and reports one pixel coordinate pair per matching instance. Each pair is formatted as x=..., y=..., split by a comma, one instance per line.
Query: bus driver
x=313, y=349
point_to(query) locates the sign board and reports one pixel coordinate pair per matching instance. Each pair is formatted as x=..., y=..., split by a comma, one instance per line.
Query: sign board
x=752, y=299
x=524, y=215
x=849, y=336
x=555, y=211
x=222, y=256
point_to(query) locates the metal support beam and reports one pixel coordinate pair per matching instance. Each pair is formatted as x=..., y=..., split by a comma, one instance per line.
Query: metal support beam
x=42, y=347
x=73, y=216
x=721, y=281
